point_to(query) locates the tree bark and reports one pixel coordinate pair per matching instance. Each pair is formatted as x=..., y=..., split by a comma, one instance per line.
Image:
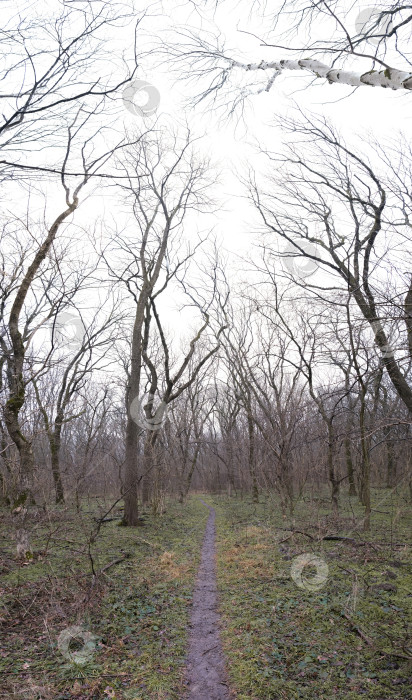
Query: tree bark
x=334, y=482
x=365, y=491
x=131, y=509
x=55, y=443
x=252, y=463
x=390, y=460
x=349, y=466
x=148, y=464
x=387, y=78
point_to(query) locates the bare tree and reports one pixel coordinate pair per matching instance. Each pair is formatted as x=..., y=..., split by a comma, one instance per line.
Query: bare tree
x=324, y=176
x=50, y=98
x=177, y=379
x=164, y=183
x=52, y=65
x=189, y=415
x=69, y=376
x=239, y=343
x=280, y=390
x=226, y=444
x=357, y=49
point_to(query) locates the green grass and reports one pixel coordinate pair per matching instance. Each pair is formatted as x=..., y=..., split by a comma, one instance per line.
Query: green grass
x=348, y=639
x=137, y=611
x=285, y=642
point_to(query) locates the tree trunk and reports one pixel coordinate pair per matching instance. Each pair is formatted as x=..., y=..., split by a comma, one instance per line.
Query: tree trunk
x=55, y=442
x=366, y=467
x=331, y=471
x=386, y=78
x=396, y=376
x=349, y=466
x=16, y=382
x=25, y=479
x=148, y=464
x=286, y=487
x=5, y=481
x=390, y=461
x=190, y=473
x=131, y=510
x=230, y=473
x=252, y=465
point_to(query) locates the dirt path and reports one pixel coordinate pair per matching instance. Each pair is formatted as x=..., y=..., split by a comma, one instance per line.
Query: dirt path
x=205, y=666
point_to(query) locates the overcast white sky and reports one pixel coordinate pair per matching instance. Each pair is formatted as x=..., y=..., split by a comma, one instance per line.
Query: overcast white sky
x=232, y=144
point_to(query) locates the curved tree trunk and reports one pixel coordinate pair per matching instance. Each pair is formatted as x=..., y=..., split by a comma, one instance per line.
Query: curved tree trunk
x=16, y=359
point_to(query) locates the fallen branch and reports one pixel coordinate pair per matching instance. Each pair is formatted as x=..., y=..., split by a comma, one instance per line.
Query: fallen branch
x=112, y=563
x=285, y=540
x=408, y=657
x=339, y=537
x=108, y=520
x=363, y=543
x=357, y=629
x=106, y=567
x=300, y=532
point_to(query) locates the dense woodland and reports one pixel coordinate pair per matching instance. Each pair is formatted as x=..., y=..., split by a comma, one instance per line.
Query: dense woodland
x=294, y=376
x=141, y=363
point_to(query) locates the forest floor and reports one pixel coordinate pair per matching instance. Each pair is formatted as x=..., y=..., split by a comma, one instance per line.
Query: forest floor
x=73, y=627
x=136, y=614
x=345, y=635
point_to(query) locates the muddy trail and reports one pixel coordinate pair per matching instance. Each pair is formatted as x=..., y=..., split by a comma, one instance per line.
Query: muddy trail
x=206, y=677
